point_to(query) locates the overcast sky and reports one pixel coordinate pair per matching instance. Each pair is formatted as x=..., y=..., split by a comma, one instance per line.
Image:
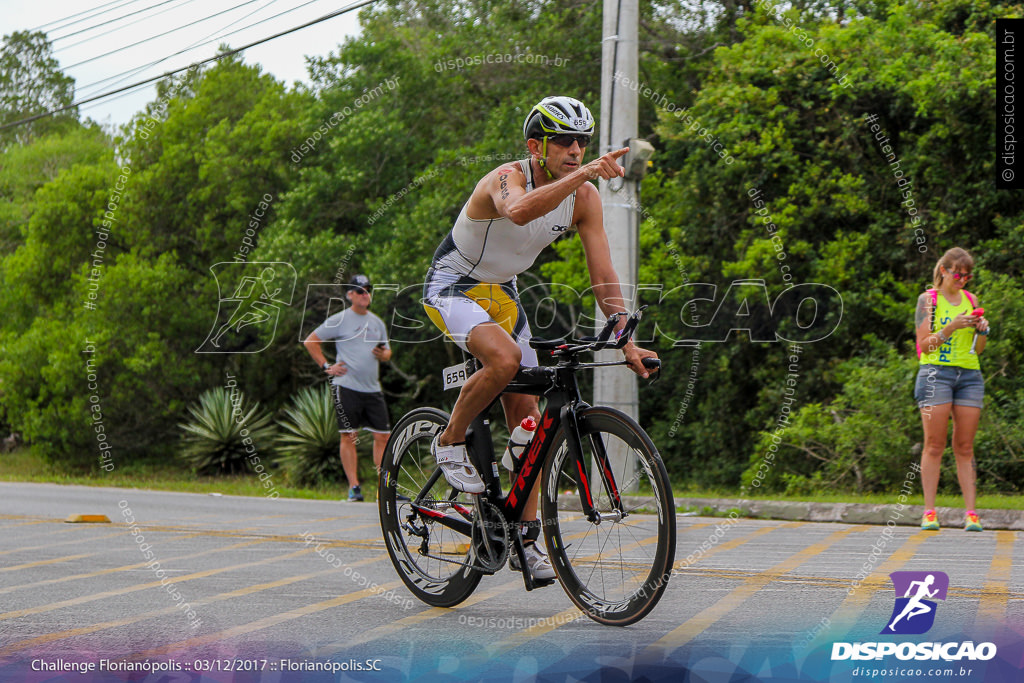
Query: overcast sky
x=283, y=57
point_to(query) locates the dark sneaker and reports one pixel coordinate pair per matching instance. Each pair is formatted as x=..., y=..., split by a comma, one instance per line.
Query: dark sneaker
x=355, y=495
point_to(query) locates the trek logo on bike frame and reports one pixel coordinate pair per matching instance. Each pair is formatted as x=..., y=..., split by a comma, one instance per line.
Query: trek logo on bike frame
x=530, y=459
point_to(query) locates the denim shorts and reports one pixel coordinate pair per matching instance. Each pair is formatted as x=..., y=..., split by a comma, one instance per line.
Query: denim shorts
x=940, y=384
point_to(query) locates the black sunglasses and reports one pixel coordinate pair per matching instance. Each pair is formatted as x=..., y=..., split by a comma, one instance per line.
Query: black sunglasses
x=361, y=290
x=566, y=140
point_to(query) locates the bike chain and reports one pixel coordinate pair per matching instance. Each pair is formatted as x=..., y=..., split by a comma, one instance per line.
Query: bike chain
x=424, y=503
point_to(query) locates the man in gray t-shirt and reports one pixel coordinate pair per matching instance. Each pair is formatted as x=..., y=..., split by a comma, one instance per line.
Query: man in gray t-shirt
x=361, y=343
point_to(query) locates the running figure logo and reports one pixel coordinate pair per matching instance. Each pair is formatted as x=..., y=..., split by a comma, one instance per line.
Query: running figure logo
x=247, y=320
x=914, y=613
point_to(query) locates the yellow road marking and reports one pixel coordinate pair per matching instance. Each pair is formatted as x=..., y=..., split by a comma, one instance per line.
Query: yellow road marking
x=87, y=539
x=40, y=563
x=561, y=618
x=26, y=523
x=847, y=614
x=414, y=619
x=241, y=592
x=266, y=622
x=85, y=630
x=701, y=622
x=435, y=612
x=567, y=616
x=142, y=586
x=283, y=538
x=995, y=594
x=679, y=565
x=101, y=572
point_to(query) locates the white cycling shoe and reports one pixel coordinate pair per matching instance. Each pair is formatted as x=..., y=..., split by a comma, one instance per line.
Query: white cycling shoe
x=455, y=466
x=536, y=559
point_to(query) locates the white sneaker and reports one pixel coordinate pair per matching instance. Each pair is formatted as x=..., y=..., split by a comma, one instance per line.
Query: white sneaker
x=455, y=466
x=536, y=559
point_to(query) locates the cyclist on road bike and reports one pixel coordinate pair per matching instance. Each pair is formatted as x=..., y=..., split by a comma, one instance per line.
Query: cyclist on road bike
x=470, y=291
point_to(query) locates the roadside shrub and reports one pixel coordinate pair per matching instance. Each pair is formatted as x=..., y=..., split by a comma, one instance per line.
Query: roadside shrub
x=308, y=446
x=223, y=426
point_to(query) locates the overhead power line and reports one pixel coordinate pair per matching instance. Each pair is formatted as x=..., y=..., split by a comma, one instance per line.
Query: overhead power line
x=210, y=37
x=123, y=16
x=72, y=16
x=159, y=35
x=116, y=29
x=330, y=15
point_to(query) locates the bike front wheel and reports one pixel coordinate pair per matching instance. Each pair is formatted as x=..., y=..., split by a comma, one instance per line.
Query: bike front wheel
x=614, y=568
x=432, y=559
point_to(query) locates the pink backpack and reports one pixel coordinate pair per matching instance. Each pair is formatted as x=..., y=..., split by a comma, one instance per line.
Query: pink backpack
x=934, y=295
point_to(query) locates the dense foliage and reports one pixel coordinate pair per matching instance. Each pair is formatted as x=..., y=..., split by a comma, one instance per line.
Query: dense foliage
x=366, y=170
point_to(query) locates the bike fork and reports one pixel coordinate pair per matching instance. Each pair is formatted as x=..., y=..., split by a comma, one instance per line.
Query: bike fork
x=601, y=466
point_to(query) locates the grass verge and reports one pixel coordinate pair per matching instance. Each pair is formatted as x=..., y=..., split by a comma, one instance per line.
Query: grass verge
x=984, y=501
x=166, y=475
x=21, y=465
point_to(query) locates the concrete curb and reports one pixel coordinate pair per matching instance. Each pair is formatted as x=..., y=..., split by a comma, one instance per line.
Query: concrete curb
x=851, y=513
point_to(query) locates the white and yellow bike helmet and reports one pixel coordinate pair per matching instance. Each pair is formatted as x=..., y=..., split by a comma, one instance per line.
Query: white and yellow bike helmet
x=557, y=116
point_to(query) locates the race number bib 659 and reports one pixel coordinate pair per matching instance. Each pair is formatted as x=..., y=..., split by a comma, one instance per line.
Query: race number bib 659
x=454, y=376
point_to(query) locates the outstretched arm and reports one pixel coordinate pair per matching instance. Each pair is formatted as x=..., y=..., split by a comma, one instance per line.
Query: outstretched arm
x=502, y=192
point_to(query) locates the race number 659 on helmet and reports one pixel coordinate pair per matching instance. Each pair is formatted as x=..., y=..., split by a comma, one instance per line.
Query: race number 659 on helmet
x=558, y=116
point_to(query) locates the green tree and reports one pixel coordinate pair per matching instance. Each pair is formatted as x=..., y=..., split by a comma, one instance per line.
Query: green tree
x=797, y=132
x=32, y=83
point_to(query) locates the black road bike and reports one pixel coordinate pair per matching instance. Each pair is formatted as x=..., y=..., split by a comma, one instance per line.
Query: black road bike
x=606, y=504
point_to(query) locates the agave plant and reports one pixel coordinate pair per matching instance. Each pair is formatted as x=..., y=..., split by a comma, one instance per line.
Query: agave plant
x=215, y=441
x=308, y=446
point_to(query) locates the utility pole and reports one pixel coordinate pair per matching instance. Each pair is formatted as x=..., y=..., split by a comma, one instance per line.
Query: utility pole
x=616, y=386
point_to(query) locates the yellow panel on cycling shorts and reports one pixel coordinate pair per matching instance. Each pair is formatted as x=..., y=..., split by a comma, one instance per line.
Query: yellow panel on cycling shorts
x=499, y=305
x=494, y=301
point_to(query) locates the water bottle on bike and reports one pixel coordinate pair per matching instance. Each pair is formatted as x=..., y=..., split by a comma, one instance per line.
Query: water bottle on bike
x=517, y=443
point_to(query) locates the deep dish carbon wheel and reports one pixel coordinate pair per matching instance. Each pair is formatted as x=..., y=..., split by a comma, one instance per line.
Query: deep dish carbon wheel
x=615, y=570
x=430, y=558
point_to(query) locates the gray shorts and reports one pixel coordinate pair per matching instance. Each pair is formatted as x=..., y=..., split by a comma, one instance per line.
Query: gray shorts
x=940, y=384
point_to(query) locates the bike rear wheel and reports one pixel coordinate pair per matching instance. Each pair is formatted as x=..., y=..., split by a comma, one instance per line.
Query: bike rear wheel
x=616, y=569
x=429, y=557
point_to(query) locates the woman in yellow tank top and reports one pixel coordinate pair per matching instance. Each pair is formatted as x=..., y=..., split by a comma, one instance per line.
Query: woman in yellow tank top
x=949, y=339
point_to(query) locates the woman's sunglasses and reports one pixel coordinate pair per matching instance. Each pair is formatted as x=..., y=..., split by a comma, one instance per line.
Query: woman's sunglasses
x=566, y=140
x=960, y=276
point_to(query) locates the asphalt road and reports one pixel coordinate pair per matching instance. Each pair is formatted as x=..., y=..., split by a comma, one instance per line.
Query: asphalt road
x=241, y=595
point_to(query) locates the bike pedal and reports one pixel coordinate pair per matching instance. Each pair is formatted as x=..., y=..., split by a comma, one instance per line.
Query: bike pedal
x=540, y=583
